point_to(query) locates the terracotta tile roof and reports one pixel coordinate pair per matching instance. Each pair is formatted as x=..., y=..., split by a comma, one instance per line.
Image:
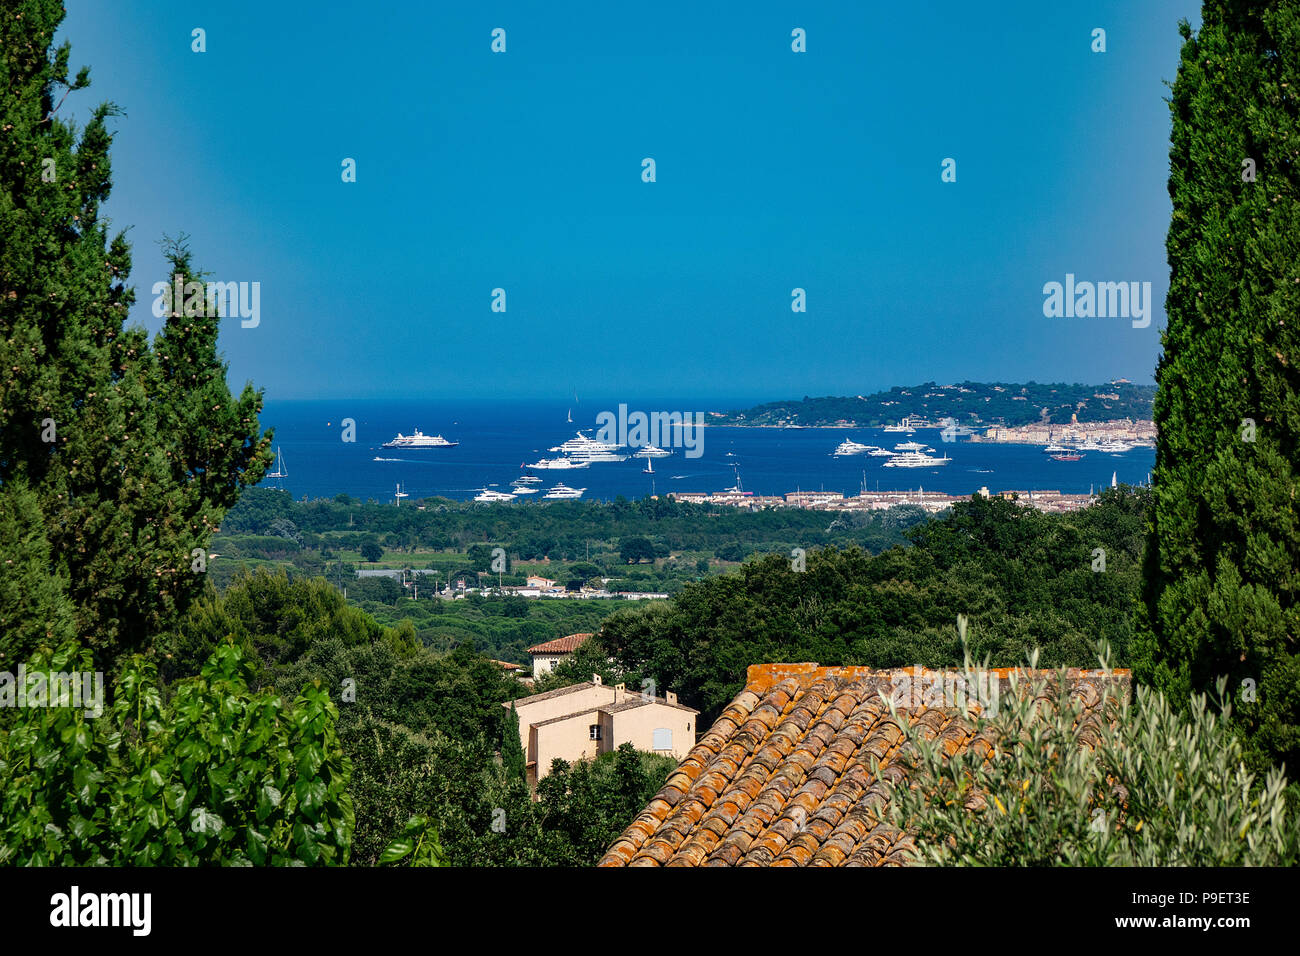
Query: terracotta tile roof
x=783, y=778
x=563, y=717
x=547, y=695
x=505, y=665
x=561, y=645
x=634, y=700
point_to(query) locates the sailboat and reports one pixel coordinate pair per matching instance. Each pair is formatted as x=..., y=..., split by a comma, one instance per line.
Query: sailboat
x=649, y=468
x=280, y=470
x=737, y=488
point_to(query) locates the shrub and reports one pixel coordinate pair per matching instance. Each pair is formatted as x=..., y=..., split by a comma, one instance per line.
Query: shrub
x=1130, y=784
x=215, y=776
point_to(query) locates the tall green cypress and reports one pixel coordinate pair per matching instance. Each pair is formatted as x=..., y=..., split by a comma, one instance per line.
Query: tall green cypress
x=512, y=751
x=118, y=456
x=1223, y=569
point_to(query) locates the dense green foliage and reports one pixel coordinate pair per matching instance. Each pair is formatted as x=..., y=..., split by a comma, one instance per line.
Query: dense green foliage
x=500, y=627
x=1223, y=578
x=434, y=753
x=215, y=775
x=1132, y=783
x=970, y=403
x=570, y=531
x=118, y=456
x=1024, y=578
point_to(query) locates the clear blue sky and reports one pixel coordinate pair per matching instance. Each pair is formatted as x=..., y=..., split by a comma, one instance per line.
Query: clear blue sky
x=522, y=170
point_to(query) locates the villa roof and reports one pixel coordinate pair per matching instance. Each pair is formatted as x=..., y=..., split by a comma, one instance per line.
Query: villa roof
x=548, y=695
x=561, y=645
x=783, y=778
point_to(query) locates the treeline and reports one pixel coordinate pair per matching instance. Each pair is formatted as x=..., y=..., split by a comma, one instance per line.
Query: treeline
x=969, y=403
x=1023, y=578
x=562, y=530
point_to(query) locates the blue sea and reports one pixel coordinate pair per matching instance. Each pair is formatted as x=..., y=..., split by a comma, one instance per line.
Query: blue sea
x=496, y=438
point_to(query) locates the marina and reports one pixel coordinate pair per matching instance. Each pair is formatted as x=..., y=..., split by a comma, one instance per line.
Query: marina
x=506, y=447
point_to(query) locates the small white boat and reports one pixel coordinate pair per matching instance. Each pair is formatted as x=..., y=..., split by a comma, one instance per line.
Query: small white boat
x=280, y=470
x=557, y=464
x=651, y=451
x=488, y=494
x=564, y=491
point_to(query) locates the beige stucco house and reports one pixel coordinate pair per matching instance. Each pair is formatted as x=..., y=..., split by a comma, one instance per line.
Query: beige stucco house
x=546, y=656
x=585, y=720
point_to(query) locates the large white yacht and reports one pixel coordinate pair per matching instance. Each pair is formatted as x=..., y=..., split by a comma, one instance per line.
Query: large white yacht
x=912, y=446
x=915, y=459
x=564, y=491
x=487, y=494
x=419, y=440
x=881, y=453
x=526, y=485
x=557, y=464
x=851, y=447
x=582, y=448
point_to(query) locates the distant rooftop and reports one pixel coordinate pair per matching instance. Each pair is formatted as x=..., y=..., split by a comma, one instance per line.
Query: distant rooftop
x=561, y=645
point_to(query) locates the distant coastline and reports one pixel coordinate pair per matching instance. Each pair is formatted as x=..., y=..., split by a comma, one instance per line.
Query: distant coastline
x=966, y=404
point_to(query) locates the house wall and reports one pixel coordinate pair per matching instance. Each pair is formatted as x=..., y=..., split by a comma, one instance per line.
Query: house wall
x=545, y=663
x=532, y=712
x=567, y=739
x=637, y=727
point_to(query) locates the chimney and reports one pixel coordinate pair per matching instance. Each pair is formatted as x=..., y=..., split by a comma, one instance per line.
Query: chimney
x=670, y=697
x=595, y=679
x=620, y=691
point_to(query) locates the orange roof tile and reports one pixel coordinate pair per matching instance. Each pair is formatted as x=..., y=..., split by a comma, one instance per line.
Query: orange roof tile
x=561, y=645
x=783, y=778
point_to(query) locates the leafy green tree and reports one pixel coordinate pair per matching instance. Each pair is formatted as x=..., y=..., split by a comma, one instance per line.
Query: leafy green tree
x=275, y=619
x=1223, y=580
x=126, y=453
x=371, y=551
x=215, y=776
x=636, y=550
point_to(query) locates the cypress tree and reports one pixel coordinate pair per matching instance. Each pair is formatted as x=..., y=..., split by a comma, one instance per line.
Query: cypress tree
x=1222, y=576
x=118, y=456
x=512, y=751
